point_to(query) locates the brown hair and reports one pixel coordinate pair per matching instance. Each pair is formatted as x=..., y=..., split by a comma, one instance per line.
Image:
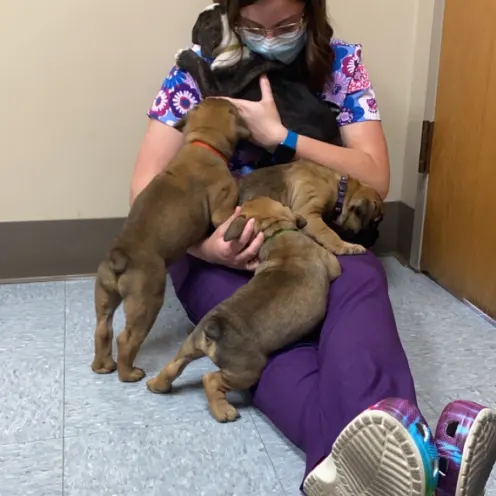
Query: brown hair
x=319, y=53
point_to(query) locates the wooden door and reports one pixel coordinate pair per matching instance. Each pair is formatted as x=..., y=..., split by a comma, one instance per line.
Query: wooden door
x=459, y=243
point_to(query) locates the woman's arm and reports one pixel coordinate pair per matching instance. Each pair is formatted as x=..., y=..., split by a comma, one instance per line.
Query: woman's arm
x=365, y=156
x=160, y=144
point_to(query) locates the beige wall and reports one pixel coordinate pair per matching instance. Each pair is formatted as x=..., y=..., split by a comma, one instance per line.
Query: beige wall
x=396, y=39
x=76, y=78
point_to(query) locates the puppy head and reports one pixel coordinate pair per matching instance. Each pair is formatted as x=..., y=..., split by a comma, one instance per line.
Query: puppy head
x=215, y=121
x=207, y=31
x=365, y=206
x=216, y=38
x=270, y=216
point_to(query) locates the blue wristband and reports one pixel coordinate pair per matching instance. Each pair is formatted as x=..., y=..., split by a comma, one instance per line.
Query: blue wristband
x=286, y=150
x=290, y=140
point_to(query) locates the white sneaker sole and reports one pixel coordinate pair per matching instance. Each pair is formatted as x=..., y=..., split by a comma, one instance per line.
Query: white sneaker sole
x=374, y=456
x=479, y=455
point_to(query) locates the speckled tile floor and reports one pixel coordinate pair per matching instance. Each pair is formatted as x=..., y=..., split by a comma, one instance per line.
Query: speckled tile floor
x=65, y=430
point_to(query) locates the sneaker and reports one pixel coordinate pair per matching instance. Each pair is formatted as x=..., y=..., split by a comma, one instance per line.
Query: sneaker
x=388, y=450
x=466, y=442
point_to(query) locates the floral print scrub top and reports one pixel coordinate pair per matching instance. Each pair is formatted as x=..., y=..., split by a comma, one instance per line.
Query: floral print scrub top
x=348, y=87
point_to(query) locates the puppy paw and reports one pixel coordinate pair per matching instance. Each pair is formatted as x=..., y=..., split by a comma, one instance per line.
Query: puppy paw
x=180, y=52
x=224, y=412
x=186, y=59
x=154, y=386
x=350, y=249
x=134, y=375
x=103, y=366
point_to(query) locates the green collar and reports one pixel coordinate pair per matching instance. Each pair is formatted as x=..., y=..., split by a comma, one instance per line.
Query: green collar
x=278, y=233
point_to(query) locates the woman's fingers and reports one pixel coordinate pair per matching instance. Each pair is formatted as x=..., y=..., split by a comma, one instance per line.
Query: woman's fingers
x=251, y=252
x=225, y=226
x=265, y=88
x=229, y=99
x=240, y=104
x=252, y=265
x=239, y=244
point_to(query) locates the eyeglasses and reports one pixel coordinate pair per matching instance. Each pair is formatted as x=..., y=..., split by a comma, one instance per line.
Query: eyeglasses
x=261, y=33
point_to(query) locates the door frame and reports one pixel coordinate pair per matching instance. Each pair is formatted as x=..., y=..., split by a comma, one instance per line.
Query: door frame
x=427, y=52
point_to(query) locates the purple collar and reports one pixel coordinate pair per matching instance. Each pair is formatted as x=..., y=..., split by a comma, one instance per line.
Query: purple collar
x=342, y=189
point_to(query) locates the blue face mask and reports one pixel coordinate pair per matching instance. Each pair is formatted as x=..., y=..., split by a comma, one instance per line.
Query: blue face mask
x=284, y=48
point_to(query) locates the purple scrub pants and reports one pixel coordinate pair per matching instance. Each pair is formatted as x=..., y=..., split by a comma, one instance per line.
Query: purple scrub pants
x=312, y=390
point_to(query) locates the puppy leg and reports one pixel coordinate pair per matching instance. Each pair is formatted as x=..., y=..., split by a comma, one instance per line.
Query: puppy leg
x=107, y=299
x=144, y=296
x=199, y=69
x=216, y=388
x=326, y=237
x=188, y=352
x=333, y=265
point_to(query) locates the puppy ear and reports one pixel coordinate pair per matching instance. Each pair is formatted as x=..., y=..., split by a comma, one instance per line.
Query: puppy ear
x=208, y=30
x=195, y=33
x=301, y=222
x=236, y=228
x=242, y=130
x=365, y=210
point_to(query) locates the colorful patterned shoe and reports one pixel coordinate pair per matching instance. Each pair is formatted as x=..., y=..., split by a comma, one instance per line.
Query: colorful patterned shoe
x=388, y=450
x=466, y=442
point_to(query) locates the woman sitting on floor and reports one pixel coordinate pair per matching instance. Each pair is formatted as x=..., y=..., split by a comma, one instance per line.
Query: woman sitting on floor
x=346, y=398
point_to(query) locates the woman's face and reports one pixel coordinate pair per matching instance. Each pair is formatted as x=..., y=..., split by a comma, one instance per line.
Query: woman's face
x=271, y=13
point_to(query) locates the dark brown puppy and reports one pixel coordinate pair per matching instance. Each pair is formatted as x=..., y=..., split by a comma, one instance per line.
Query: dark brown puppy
x=311, y=190
x=172, y=213
x=284, y=301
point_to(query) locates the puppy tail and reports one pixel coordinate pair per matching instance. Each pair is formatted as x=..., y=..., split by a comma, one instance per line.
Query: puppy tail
x=118, y=261
x=212, y=329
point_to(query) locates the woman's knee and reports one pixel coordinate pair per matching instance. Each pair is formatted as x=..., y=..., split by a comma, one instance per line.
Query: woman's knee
x=363, y=270
x=201, y=286
x=359, y=307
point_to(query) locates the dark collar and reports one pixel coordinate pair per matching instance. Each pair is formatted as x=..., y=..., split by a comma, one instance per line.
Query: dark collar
x=342, y=189
x=279, y=232
x=211, y=148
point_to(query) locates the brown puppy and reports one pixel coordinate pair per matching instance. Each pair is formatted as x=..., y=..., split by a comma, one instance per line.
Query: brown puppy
x=284, y=301
x=311, y=190
x=172, y=213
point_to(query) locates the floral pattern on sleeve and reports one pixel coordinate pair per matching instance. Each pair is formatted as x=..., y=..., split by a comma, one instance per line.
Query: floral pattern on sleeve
x=349, y=86
x=177, y=96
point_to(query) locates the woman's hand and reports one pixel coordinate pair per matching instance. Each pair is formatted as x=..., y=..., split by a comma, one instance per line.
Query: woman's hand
x=240, y=253
x=262, y=118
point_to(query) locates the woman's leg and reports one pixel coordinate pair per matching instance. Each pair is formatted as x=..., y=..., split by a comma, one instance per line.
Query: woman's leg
x=312, y=392
x=201, y=286
x=466, y=442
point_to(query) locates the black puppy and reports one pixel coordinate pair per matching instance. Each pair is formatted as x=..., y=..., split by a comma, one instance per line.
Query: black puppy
x=229, y=67
x=234, y=71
